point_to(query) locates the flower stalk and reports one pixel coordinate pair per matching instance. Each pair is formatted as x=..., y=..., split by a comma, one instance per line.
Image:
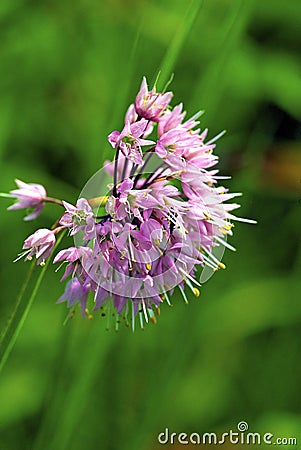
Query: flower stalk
x=20, y=312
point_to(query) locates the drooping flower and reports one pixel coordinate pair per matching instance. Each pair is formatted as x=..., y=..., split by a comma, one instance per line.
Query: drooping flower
x=73, y=256
x=76, y=292
x=29, y=195
x=40, y=244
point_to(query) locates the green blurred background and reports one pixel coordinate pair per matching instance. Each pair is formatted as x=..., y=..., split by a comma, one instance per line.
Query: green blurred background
x=68, y=71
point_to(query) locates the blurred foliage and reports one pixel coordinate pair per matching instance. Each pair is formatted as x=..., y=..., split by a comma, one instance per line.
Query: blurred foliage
x=68, y=72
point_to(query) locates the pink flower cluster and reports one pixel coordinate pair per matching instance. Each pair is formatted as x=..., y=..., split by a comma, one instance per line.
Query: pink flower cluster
x=148, y=235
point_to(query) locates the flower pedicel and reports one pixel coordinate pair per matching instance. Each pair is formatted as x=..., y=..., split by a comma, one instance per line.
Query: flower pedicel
x=148, y=235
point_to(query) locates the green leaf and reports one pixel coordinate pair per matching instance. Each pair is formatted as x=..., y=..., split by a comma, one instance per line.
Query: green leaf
x=177, y=42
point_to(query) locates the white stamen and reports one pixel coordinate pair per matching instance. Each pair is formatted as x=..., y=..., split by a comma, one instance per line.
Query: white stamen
x=61, y=265
x=20, y=255
x=2, y=194
x=221, y=241
x=209, y=263
x=96, y=293
x=196, y=115
x=133, y=318
x=189, y=285
x=212, y=256
x=131, y=252
x=167, y=299
x=144, y=311
x=241, y=219
x=183, y=294
x=216, y=137
x=190, y=277
x=109, y=312
x=141, y=320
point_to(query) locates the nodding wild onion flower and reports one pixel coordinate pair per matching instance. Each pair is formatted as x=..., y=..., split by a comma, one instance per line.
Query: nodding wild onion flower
x=156, y=226
x=29, y=195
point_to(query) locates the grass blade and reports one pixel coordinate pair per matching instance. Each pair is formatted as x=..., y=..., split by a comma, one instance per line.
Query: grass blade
x=177, y=42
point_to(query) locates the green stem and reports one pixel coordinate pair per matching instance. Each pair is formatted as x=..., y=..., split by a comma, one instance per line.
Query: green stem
x=6, y=330
x=56, y=201
x=86, y=362
x=14, y=326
